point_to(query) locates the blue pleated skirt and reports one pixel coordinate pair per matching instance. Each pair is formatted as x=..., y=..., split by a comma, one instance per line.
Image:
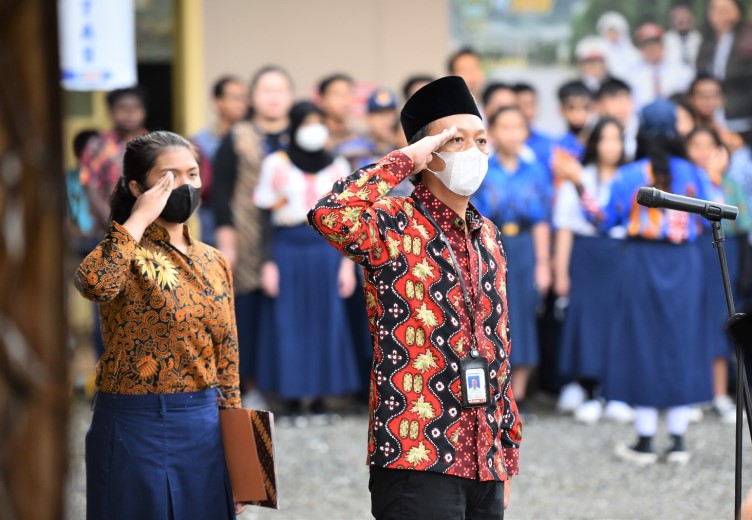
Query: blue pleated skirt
x=248, y=316
x=156, y=457
x=306, y=347
x=713, y=311
x=522, y=299
x=656, y=356
x=589, y=318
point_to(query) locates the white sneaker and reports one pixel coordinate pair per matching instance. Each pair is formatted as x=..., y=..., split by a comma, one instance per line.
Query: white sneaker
x=619, y=412
x=589, y=412
x=695, y=413
x=629, y=454
x=571, y=396
x=725, y=407
x=678, y=457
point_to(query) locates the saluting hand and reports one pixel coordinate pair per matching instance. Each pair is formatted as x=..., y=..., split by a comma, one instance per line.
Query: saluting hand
x=149, y=205
x=420, y=152
x=718, y=164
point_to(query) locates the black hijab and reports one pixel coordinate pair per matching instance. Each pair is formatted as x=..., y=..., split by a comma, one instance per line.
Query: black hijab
x=308, y=162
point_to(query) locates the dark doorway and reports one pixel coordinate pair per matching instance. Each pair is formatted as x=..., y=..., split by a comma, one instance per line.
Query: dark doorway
x=156, y=78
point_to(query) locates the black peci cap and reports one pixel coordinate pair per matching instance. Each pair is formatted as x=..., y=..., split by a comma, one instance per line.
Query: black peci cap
x=444, y=97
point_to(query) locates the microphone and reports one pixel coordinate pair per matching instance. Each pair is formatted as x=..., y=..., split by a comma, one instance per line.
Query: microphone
x=655, y=198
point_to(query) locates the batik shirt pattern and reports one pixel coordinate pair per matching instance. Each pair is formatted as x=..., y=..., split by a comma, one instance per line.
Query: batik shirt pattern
x=416, y=316
x=168, y=318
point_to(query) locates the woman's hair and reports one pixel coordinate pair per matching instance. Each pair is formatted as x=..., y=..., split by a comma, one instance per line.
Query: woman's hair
x=591, y=148
x=705, y=130
x=141, y=155
x=681, y=101
x=659, y=150
x=263, y=71
x=658, y=141
x=256, y=78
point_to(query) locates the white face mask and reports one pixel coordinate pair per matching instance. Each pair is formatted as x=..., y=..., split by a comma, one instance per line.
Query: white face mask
x=463, y=172
x=312, y=138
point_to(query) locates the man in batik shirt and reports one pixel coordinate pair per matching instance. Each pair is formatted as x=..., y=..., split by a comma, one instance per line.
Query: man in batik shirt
x=436, y=298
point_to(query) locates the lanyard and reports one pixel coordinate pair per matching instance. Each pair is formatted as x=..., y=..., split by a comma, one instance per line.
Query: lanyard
x=463, y=286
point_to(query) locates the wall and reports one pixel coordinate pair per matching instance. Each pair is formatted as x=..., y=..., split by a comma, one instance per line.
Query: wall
x=383, y=41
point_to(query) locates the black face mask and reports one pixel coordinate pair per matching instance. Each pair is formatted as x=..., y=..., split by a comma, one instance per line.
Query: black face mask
x=181, y=204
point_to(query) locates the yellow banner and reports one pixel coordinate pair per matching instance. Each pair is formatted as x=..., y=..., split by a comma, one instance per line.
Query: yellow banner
x=531, y=6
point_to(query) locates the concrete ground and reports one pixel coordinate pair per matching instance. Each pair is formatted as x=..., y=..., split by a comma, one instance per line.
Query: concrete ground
x=568, y=471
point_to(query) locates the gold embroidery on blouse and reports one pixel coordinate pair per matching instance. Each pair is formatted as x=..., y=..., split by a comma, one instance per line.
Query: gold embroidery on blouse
x=157, y=267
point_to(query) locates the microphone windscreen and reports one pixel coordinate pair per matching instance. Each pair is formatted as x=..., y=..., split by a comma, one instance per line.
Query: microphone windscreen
x=647, y=197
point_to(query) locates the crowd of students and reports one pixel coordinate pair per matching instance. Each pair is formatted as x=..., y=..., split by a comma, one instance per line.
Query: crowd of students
x=635, y=289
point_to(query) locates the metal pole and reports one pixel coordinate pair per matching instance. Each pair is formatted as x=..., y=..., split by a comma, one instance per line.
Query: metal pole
x=742, y=391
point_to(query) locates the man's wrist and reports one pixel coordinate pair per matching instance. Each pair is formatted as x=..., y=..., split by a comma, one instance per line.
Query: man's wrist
x=398, y=163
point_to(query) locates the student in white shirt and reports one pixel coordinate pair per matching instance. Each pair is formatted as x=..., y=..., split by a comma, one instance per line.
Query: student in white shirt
x=584, y=265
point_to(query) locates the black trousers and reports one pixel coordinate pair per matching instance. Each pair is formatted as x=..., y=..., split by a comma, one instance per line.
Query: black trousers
x=398, y=494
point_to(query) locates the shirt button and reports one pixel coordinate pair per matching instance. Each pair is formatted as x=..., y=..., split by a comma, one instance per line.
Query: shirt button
x=392, y=159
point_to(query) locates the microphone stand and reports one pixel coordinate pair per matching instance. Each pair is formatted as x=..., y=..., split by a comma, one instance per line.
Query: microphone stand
x=743, y=401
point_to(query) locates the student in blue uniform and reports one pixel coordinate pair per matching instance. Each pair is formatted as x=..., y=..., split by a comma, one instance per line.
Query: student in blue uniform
x=585, y=263
x=576, y=105
x=706, y=150
x=381, y=139
x=656, y=356
x=516, y=195
x=538, y=142
x=382, y=119
x=614, y=99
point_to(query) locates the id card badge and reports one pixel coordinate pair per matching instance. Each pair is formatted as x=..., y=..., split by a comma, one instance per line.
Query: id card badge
x=476, y=389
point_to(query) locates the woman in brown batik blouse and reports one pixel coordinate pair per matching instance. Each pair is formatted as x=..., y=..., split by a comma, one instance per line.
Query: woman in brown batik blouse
x=154, y=449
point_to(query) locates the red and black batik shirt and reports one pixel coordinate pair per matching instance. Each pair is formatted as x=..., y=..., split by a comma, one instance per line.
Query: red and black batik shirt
x=421, y=327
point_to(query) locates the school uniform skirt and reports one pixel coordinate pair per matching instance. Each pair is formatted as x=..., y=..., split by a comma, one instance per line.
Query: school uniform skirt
x=156, y=457
x=522, y=298
x=713, y=311
x=307, y=343
x=656, y=357
x=248, y=307
x=591, y=310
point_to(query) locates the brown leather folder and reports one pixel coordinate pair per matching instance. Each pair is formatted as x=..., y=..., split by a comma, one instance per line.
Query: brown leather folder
x=247, y=436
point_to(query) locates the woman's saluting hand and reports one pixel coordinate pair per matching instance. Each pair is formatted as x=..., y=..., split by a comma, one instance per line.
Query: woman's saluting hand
x=149, y=205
